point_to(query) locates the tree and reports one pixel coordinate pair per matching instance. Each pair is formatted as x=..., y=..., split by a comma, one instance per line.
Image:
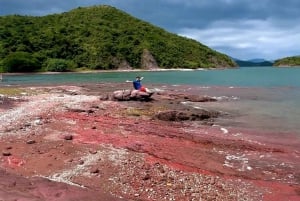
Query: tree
x=96, y=37
x=20, y=62
x=58, y=65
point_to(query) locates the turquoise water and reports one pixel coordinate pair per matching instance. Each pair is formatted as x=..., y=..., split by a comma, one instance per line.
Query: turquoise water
x=249, y=77
x=264, y=98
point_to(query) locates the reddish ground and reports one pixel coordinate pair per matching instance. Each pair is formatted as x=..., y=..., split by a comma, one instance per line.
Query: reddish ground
x=108, y=150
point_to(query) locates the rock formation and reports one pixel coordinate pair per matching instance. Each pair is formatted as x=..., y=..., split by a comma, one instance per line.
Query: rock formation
x=148, y=61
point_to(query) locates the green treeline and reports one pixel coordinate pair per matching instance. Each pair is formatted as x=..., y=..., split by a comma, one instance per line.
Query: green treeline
x=98, y=37
x=242, y=63
x=288, y=61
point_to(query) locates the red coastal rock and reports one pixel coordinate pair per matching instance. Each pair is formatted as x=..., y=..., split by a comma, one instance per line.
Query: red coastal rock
x=122, y=150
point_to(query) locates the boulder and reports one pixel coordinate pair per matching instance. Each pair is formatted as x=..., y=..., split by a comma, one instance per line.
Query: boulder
x=126, y=95
x=121, y=95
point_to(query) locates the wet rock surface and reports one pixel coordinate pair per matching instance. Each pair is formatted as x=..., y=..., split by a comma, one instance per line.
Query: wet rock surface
x=175, y=115
x=65, y=143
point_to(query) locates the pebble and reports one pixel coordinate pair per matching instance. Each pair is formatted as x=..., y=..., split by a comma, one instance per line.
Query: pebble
x=6, y=153
x=40, y=152
x=31, y=142
x=94, y=170
x=68, y=137
x=38, y=122
x=92, y=151
x=27, y=124
x=147, y=177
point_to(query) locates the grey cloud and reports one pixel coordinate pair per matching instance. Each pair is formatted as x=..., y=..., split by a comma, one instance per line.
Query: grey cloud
x=170, y=14
x=246, y=39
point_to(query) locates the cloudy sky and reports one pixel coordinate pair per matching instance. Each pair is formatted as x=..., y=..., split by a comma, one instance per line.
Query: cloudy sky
x=243, y=29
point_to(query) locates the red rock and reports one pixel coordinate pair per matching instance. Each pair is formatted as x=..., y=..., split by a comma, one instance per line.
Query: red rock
x=179, y=154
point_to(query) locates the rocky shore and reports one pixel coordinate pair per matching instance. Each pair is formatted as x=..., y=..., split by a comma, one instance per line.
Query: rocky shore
x=73, y=143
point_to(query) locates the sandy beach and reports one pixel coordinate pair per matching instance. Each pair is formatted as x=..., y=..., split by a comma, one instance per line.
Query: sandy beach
x=72, y=143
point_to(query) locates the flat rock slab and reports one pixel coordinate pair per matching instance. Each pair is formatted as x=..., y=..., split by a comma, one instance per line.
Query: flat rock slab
x=15, y=187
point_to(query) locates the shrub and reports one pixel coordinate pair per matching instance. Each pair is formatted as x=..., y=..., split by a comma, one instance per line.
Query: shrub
x=58, y=65
x=20, y=62
x=1, y=67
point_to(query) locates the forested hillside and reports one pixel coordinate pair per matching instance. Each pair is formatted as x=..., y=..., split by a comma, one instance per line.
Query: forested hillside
x=242, y=63
x=288, y=61
x=98, y=37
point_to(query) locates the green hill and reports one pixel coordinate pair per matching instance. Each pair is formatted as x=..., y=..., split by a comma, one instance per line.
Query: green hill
x=288, y=61
x=250, y=63
x=98, y=37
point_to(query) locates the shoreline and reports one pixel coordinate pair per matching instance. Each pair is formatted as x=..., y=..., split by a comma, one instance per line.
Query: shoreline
x=111, y=71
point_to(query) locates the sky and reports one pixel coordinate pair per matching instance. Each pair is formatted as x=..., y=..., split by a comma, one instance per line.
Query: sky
x=242, y=29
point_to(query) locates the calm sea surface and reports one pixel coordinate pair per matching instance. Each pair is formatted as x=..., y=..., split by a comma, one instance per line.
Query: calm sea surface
x=264, y=98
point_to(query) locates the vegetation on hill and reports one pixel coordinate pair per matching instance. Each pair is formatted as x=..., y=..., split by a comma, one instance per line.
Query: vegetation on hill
x=288, y=61
x=242, y=63
x=98, y=37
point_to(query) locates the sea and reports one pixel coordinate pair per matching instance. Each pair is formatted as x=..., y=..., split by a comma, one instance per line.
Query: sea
x=262, y=98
